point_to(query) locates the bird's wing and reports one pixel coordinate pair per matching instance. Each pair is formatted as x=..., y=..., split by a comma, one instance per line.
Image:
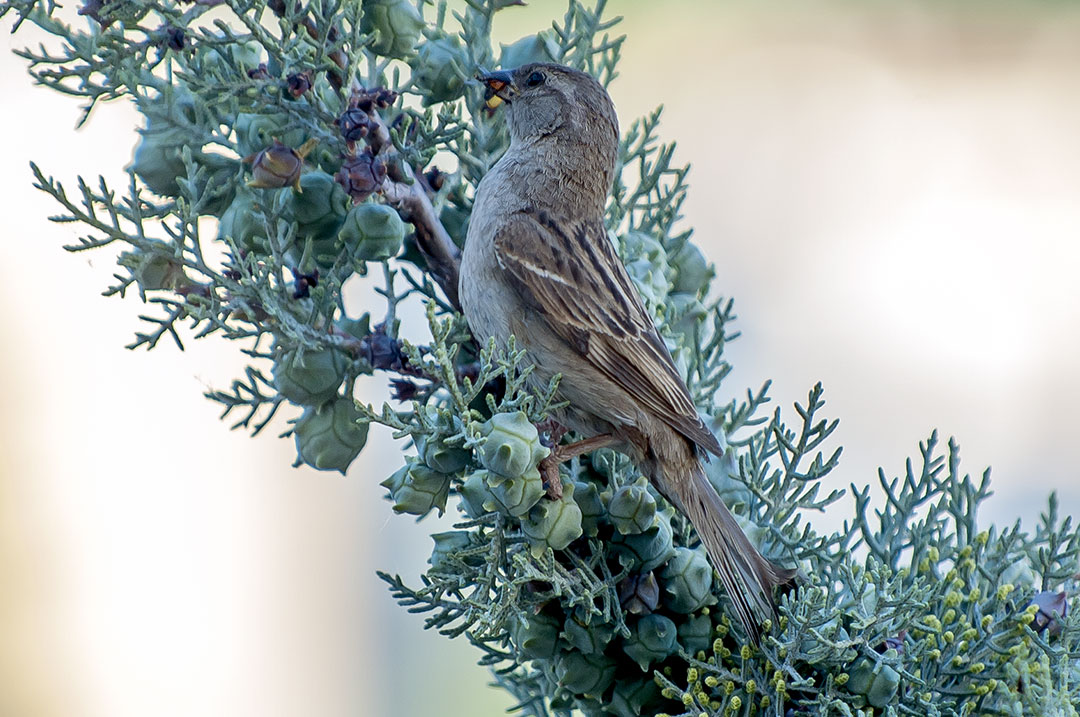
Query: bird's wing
x=571, y=275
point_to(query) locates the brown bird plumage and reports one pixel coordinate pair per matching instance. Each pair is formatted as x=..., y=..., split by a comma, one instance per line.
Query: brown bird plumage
x=538, y=264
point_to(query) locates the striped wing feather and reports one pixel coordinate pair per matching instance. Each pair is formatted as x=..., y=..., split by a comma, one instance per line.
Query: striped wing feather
x=571, y=275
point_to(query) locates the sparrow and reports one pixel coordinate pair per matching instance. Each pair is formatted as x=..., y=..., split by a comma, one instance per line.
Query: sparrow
x=538, y=264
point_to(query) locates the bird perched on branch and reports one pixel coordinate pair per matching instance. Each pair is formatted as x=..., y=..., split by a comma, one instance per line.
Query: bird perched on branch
x=538, y=264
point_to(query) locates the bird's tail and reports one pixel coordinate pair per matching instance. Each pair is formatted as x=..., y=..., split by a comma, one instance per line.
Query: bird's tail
x=748, y=577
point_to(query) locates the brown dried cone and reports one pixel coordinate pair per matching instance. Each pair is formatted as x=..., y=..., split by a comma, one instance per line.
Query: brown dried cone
x=538, y=265
x=639, y=594
x=278, y=165
x=297, y=84
x=172, y=37
x=361, y=175
x=354, y=124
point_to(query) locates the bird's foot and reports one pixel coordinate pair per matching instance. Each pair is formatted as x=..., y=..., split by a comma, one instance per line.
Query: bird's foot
x=549, y=467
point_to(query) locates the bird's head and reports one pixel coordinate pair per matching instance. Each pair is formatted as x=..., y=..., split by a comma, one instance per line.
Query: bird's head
x=545, y=99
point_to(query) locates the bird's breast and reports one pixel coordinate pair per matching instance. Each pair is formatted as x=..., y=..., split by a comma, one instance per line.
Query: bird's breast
x=486, y=299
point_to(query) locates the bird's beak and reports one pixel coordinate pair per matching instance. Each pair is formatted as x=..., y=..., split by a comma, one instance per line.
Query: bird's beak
x=499, y=86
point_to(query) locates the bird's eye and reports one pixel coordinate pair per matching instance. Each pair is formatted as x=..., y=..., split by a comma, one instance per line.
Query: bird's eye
x=536, y=78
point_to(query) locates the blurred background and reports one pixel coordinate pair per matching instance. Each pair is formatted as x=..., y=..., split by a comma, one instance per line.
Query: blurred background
x=891, y=192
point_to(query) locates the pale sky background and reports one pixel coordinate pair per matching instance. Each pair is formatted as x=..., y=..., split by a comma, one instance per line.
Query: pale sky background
x=891, y=192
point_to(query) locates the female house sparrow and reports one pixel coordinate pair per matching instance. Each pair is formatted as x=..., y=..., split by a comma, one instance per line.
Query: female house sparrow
x=538, y=264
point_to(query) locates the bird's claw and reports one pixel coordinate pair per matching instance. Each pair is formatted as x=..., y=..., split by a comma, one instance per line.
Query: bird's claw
x=551, y=432
x=549, y=467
